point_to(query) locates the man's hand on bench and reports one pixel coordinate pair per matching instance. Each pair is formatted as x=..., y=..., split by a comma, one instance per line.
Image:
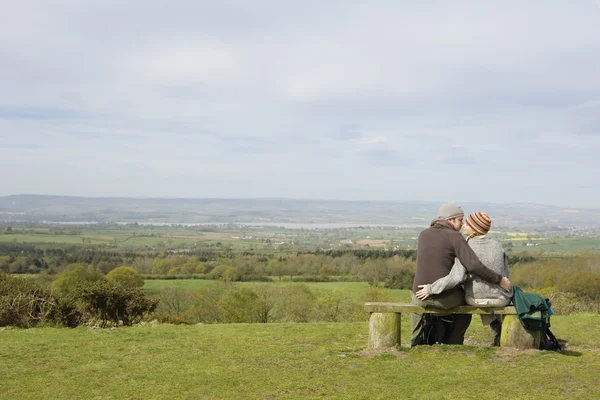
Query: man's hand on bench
x=422, y=293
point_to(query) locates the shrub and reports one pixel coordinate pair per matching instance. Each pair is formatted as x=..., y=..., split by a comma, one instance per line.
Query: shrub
x=174, y=302
x=376, y=294
x=584, y=283
x=402, y=279
x=205, y=304
x=267, y=300
x=239, y=305
x=73, y=276
x=298, y=303
x=310, y=278
x=104, y=302
x=125, y=276
x=333, y=306
x=225, y=272
x=67, y=312
x=24, y=302
x=566, y=302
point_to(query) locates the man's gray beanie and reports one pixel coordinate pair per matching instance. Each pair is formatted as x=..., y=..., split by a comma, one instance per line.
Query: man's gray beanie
x=450, y=210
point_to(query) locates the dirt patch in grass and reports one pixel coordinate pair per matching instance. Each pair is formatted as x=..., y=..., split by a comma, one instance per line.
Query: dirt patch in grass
x=372, y=241
x=509, y=353
x=370, y=353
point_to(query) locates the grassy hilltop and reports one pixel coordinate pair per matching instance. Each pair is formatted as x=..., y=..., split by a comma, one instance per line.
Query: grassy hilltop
x=287, y=361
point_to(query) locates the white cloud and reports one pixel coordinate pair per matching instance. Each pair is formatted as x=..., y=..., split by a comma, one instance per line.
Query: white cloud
x=177, y=62
x=301, y=99
x=370, y=140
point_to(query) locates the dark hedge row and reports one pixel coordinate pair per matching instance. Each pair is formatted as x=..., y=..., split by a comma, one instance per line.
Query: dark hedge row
x=26, y=303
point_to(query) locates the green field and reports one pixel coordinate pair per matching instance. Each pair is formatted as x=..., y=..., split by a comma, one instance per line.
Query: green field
x=287, y=361
x=354, y=290
x=271, y=240
x=163, y=237
x=570, y=245
x=43, y=238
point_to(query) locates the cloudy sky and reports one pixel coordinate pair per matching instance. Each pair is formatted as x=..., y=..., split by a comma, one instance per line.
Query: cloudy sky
x=382, y=100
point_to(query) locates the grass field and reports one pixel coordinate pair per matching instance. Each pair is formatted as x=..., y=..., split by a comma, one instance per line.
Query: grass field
x=572, y=245
x=288, y=361
x=128, y=239
x=37, y=238
x=354, y=290
x=269, y=240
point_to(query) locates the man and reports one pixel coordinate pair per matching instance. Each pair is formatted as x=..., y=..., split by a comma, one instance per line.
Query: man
x=437, y=248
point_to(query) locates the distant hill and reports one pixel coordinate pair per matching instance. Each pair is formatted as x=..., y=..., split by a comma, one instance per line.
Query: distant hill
x=123, y=209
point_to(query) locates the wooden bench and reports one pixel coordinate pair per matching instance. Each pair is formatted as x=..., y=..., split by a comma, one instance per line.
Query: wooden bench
x=384, y=323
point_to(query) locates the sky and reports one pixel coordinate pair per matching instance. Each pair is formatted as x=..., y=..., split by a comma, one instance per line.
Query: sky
x=474, y=101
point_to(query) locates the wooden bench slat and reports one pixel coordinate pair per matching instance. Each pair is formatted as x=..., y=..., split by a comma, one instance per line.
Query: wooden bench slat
x=411, y=308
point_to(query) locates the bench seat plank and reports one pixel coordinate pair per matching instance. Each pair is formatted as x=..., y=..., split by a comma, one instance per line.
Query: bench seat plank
x=411, y=308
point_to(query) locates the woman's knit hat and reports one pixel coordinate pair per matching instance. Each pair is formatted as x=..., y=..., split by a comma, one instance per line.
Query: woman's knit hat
x=479, y=222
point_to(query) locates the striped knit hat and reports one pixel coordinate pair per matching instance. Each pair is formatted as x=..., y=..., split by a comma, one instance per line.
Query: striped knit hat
x=479, y=222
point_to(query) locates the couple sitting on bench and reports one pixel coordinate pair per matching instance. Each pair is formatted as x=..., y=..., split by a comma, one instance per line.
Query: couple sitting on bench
x=445, y=259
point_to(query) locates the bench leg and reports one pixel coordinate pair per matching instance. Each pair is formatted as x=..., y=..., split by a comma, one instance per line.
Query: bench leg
x=384, y=330
x=514, y=335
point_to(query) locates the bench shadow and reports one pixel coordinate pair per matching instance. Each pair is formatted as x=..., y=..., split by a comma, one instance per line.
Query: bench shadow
x=571, y=353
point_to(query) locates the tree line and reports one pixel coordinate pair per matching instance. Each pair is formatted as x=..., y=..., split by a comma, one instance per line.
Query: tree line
x=575, y=280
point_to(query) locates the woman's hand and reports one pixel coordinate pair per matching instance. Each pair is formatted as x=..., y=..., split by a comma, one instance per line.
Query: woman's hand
x=505, y=284
x=422, y=293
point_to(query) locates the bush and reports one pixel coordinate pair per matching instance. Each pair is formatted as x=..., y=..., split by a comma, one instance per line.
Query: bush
x=376, y=294
x=267, y=301
x=567, y=303
x=333, y=306
x=224, y=272
x=310, y=278
x=73, y=276
x=402, y=279
x=125, y=276
x=24, y=302
x=174, y=302
x=67, y=312
x=239, y=305
x=172, y=277
x=584, y=283
x=104, y=302
x=298, y=303
x=205, y=304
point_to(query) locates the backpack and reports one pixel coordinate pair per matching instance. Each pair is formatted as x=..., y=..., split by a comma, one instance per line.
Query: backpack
x=436, y=329
x=534, y=314
x=548, y=341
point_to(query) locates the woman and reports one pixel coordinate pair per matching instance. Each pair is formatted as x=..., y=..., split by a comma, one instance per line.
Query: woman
x=477, y=292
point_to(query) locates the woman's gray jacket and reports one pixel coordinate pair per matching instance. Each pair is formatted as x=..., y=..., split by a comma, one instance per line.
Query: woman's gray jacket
x=477, y=291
